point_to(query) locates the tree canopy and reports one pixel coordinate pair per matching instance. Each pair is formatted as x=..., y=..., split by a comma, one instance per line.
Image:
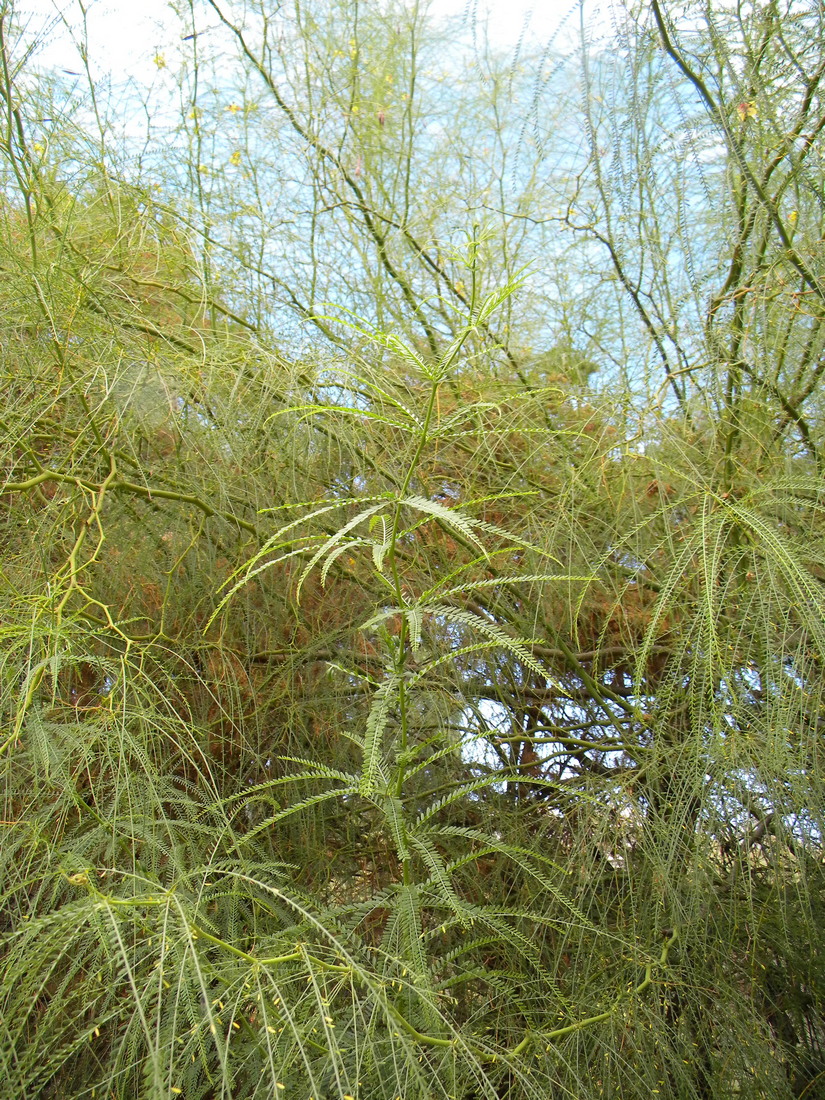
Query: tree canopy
x=412, y=632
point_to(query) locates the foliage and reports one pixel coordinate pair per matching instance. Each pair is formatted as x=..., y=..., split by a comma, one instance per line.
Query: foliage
x=417, y=695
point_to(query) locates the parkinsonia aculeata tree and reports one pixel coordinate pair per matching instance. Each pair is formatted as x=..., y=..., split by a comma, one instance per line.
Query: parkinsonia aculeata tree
x=412, y=617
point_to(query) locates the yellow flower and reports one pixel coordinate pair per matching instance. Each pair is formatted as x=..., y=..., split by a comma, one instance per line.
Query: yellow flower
x=746, y=109
x=235, y=158
x=234, y=108
x=159, y=60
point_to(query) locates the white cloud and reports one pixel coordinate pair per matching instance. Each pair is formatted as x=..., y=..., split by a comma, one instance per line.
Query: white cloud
x=124, y=36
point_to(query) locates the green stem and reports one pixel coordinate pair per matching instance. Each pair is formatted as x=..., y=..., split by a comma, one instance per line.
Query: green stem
x=568, y=1029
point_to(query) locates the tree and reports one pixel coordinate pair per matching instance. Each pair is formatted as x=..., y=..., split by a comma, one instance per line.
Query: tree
x=423, y=701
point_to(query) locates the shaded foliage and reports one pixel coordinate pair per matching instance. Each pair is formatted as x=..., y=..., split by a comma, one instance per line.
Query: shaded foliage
x=400, y=710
